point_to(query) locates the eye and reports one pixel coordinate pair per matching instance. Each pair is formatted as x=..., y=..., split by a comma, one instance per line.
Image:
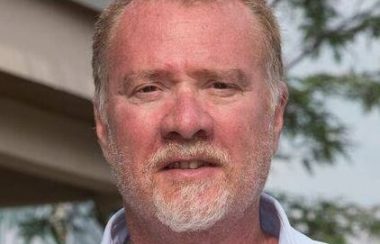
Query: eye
x=147, y=89
x=147, y=92
x=220, y=85
x=223, y=89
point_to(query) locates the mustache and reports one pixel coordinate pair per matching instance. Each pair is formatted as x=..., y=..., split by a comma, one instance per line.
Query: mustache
x=199, y=150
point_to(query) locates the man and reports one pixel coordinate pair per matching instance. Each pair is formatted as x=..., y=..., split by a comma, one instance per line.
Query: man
x=189, y=108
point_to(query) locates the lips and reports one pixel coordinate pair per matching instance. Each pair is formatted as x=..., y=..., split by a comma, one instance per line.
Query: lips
x=188, y=157
x=189, y=164
x=189, y=169
x=179, y=168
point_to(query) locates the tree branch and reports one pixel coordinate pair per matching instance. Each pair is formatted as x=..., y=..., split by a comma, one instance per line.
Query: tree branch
x=323, y=35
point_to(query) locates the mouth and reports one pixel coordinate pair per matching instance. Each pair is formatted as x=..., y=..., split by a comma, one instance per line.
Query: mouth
x=191, y=169
x=188, y=165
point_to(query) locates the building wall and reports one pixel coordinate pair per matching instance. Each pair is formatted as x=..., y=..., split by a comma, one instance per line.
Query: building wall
x=48, y=147
x=48, y=42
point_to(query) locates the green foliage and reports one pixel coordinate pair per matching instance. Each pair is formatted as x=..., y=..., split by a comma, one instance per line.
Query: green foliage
x=310, y=126
x=309, y=122
x=359, y=88
x=58, y=223
x=324, y=25
x=52, y=222
x=333, y=222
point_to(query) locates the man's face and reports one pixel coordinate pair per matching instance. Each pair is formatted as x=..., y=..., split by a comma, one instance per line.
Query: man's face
x=190, y=128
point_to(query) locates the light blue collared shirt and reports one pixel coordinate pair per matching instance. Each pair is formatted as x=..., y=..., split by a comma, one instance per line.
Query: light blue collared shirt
x=272, y=216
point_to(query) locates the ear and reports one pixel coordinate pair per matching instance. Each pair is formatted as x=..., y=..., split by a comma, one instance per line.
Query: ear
x=278, y=119
x=101, y=128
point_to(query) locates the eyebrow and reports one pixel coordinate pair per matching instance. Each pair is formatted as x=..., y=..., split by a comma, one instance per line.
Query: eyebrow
x=147, y=75
x=235, y=75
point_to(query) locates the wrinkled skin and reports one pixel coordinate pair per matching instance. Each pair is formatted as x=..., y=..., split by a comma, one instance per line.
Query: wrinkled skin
x=182, y=75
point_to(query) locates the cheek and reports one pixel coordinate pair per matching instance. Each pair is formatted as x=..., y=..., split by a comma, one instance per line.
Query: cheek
x=135, y=130
x=243, y=129
x=241, y=121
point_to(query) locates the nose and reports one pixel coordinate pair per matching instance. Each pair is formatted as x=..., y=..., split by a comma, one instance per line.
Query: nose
x=187, y=119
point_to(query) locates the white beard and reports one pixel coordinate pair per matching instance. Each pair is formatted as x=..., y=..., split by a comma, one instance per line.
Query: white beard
x=192, y=208
x=192, y=205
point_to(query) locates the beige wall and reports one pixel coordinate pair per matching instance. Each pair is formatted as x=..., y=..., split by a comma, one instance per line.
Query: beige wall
x=47, y=41
x=48, y=148
x=51, y=146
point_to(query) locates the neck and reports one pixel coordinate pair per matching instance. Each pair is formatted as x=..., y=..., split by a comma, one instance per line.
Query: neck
x=232, y=229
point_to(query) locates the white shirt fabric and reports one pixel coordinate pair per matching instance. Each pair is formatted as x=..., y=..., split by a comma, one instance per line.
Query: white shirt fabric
x=272, y=216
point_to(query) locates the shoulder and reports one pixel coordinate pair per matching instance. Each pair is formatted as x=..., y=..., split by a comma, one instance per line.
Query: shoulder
x=296, y=237
x=275, y=222
x=116, y=229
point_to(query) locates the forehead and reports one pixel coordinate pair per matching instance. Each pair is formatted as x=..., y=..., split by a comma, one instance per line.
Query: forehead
x=157, y=31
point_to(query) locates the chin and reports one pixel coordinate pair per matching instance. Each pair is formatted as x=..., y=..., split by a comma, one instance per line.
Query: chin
x=190, y=205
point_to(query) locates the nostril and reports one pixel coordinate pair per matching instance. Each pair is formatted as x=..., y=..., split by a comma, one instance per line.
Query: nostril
x=175, y=136
x=172, y=136
x=201, y=134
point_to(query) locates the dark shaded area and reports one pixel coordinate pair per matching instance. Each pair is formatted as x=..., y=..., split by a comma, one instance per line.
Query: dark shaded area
x=35, y=190
x=45, y=98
